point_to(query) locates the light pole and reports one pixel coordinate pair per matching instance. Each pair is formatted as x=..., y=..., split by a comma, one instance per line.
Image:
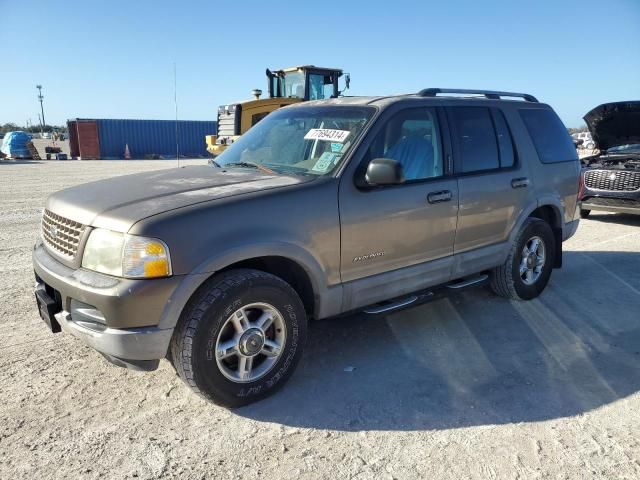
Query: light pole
x=41, y=98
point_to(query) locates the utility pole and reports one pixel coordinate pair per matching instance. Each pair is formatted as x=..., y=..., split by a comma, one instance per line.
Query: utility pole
x=41, y=98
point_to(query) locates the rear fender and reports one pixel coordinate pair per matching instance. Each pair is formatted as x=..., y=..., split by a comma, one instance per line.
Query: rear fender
x=556, y=225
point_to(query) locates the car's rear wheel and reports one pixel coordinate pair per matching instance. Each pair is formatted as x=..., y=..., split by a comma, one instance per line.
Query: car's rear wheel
x=240, y=338
x=526, y=272
x=584, y=213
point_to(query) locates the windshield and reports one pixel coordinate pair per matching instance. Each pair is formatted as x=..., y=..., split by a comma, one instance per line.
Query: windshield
x=301, y=140
x=631, y=148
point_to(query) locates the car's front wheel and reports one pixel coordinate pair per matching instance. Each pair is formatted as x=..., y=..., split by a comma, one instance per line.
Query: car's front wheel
x=526, y=272
x=240, y=338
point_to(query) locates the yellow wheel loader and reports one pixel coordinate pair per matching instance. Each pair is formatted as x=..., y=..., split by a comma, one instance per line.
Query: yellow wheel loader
x=286, y=86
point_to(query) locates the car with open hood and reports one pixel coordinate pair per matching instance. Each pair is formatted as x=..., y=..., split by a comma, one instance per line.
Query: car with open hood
x=322, y=208
x=610, y=179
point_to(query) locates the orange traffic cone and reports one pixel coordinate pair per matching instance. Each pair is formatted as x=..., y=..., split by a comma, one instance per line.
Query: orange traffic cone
x=127, y=154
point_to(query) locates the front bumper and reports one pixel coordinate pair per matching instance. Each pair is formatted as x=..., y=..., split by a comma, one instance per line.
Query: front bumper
x=616, y=204
x=135, y=348
x=118, y=317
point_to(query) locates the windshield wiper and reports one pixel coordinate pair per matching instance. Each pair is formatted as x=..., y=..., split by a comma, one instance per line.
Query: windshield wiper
x=291, y=168
x=257, y=166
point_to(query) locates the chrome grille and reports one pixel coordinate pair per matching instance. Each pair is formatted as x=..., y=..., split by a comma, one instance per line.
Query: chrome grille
x=61, y=234
x=613, y=180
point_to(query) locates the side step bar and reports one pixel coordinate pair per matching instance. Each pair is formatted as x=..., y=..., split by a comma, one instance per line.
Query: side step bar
x=403, y=302
x=468, y=281
x=385, y=307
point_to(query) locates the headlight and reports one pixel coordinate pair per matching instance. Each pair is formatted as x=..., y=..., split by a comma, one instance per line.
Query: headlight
x=123, y=255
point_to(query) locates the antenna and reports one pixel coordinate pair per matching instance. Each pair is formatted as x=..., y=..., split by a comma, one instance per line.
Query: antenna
x=175, y=102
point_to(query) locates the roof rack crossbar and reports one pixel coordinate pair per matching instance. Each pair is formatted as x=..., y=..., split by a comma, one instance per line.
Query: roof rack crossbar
x=432, y=92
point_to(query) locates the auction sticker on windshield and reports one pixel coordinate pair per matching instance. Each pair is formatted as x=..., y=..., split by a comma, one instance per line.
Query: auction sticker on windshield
x=327, y=134
x=325, y=162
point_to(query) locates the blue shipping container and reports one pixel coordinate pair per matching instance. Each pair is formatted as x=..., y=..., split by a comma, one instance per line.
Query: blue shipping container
x=153, y=137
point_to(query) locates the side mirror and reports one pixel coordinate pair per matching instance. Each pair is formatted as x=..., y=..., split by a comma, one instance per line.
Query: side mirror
x=384, y=171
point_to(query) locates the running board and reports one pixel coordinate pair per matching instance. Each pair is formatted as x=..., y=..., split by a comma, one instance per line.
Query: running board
x=468, y=282
x=404, y=302
x=374, y=310
x=428, y=294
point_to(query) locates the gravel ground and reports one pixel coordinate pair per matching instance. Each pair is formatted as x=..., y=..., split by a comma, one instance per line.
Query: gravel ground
x=472, y=386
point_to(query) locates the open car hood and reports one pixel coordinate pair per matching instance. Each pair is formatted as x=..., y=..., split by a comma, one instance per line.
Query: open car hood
x=614, y=124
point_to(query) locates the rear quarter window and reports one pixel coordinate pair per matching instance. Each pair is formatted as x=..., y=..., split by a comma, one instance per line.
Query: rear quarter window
x=549, y=136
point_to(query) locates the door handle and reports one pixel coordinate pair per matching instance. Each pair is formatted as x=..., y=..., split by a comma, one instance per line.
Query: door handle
x=438, y=197
x=520, y=182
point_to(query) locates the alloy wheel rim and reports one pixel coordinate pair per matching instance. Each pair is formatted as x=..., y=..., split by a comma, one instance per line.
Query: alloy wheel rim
x=533, y=260
x=250, y=342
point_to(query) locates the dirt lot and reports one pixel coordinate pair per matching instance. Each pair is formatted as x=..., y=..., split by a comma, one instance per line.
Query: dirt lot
x=468, y=387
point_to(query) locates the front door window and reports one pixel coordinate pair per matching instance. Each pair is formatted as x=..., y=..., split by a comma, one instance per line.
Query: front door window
x=411, y=138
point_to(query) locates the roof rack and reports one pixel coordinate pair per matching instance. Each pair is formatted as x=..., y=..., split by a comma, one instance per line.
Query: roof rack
x=432, y=92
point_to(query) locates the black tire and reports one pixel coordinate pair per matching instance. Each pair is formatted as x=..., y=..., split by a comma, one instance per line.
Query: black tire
x=506, y=280
x=584, y=213
x=194, y=340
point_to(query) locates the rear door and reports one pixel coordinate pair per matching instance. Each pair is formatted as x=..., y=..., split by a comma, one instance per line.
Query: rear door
x=387, y=230
x=493, y=185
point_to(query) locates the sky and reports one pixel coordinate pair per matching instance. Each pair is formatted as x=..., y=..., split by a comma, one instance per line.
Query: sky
x=114, y=59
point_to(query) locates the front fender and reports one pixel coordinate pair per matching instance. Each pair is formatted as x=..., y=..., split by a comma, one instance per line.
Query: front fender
x=291, y=251
x=328, y=299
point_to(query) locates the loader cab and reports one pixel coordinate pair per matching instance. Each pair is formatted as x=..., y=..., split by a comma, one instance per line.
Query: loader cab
x=286, y=86
x=305, y=83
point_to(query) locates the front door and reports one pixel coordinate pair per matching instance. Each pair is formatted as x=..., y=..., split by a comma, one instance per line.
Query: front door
x=397, y=239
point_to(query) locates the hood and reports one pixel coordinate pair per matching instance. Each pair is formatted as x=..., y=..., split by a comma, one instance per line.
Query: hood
x=614, y=124
x=117, y=203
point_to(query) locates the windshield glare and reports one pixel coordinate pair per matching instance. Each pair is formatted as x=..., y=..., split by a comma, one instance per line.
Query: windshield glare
x=301, y=140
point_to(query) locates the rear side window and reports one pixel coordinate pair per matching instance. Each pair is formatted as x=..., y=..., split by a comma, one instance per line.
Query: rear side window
x=549, y=136
x=476, y=138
